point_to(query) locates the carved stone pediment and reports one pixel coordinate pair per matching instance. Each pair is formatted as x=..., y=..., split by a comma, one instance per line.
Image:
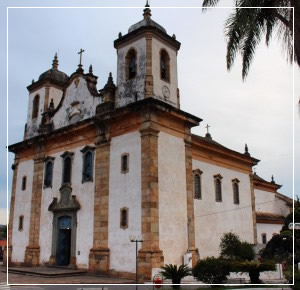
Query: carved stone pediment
x=67, y=201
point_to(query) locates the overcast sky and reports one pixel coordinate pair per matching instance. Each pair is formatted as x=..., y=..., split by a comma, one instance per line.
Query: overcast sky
x=258, y=112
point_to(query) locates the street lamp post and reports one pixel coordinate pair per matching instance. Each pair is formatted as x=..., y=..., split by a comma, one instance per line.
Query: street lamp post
x=136, y=240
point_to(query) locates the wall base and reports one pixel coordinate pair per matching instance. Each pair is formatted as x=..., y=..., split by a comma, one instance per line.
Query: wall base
x=99, y=260
x=147, y=260
x=32, y=256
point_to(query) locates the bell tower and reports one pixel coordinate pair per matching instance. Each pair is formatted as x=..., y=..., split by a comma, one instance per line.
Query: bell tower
x=147, y=63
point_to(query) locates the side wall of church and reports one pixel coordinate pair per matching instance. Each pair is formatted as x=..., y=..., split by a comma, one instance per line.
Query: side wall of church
x=213, y=219
x=172, y=198
x=157, y=81
x=124, y=192
x=20, y=238
x=84, y=194
x=266, y=201
x=268, y=229
x=127, y=89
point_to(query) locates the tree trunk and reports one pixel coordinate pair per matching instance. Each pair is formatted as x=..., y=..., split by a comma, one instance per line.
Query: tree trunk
x=254, y=276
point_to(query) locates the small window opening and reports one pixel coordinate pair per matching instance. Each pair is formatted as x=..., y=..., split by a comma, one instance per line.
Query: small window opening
x=21, y=220
x=125, y=163
x=124, y=218
x=24, y=181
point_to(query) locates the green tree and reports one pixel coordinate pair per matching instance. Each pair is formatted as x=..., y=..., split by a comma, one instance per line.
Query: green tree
x=245, y=28
x=232, y=247
x=175, y=274
x=212, y=270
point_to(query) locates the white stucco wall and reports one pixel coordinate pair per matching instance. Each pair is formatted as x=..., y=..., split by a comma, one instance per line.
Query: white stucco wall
x=268, y=229
x=158, y=83
x=22, y=207
x=213, y=219
x=56, y=95
x=87, y=104
x=172, y=198
x=85, y=195
x=266, y=201
x=124, y=191
x=126, y=89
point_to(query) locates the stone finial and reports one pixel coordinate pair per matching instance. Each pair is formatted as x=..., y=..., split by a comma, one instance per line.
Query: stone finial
x=51, y=105
x=91, y=69
x=147, y=11
x=246, y=150
x=120, y=34
x=272, y=179
x=110, y=82
x=55, y=62
x=174, y=36
x=32, y=81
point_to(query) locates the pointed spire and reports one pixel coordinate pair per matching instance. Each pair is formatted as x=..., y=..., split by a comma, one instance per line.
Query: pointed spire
x=110, y=82
x=55, y=62
x=91, y=69
x=147, y=11
x=246, y=150
x=272, y=179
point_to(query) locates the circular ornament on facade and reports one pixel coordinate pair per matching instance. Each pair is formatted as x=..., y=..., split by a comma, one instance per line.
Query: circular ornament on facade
x=166, y=92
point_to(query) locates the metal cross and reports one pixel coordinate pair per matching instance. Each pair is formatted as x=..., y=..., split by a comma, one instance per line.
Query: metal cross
x=80, y=52
x=207, y=128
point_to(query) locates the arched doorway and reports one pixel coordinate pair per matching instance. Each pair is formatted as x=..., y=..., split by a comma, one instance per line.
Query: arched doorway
x=63, y=251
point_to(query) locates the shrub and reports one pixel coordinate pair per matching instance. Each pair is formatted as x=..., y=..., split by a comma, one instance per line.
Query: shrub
x=212, y=270
x=175, y=274
x=253, y=268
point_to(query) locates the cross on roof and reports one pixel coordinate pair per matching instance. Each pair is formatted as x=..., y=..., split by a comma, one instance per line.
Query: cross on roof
x=207, y=126
x=80, y=52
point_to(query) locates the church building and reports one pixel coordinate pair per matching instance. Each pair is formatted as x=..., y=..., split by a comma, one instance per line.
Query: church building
x=98, y=167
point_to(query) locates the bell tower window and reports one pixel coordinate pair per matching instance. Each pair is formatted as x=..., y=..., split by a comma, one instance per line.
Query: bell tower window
x=131, y=67
x=35, y=106
x=164, y=65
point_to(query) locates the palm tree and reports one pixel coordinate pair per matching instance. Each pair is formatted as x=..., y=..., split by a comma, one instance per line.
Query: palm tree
x=244, y=28
x=175, y=274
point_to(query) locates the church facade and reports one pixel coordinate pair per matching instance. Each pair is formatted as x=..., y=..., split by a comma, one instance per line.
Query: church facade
x=97, y=167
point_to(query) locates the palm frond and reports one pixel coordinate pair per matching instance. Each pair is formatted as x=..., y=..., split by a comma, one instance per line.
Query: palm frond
x=209, y=3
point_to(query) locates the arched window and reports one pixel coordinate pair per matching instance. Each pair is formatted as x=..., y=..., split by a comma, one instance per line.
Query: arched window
x=197, y=184
x=164, y=65
x=236, y=192
x=35, y=106
x=24, y=181
x=88, y=163
x=125, y=163
x=48, y=172
x=67, y=167
x=131, y=66
x=264, y=238
x=218, y=187
x=124, y=218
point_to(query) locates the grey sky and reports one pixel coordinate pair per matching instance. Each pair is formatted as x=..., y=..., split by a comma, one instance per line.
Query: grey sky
x=257, y=112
